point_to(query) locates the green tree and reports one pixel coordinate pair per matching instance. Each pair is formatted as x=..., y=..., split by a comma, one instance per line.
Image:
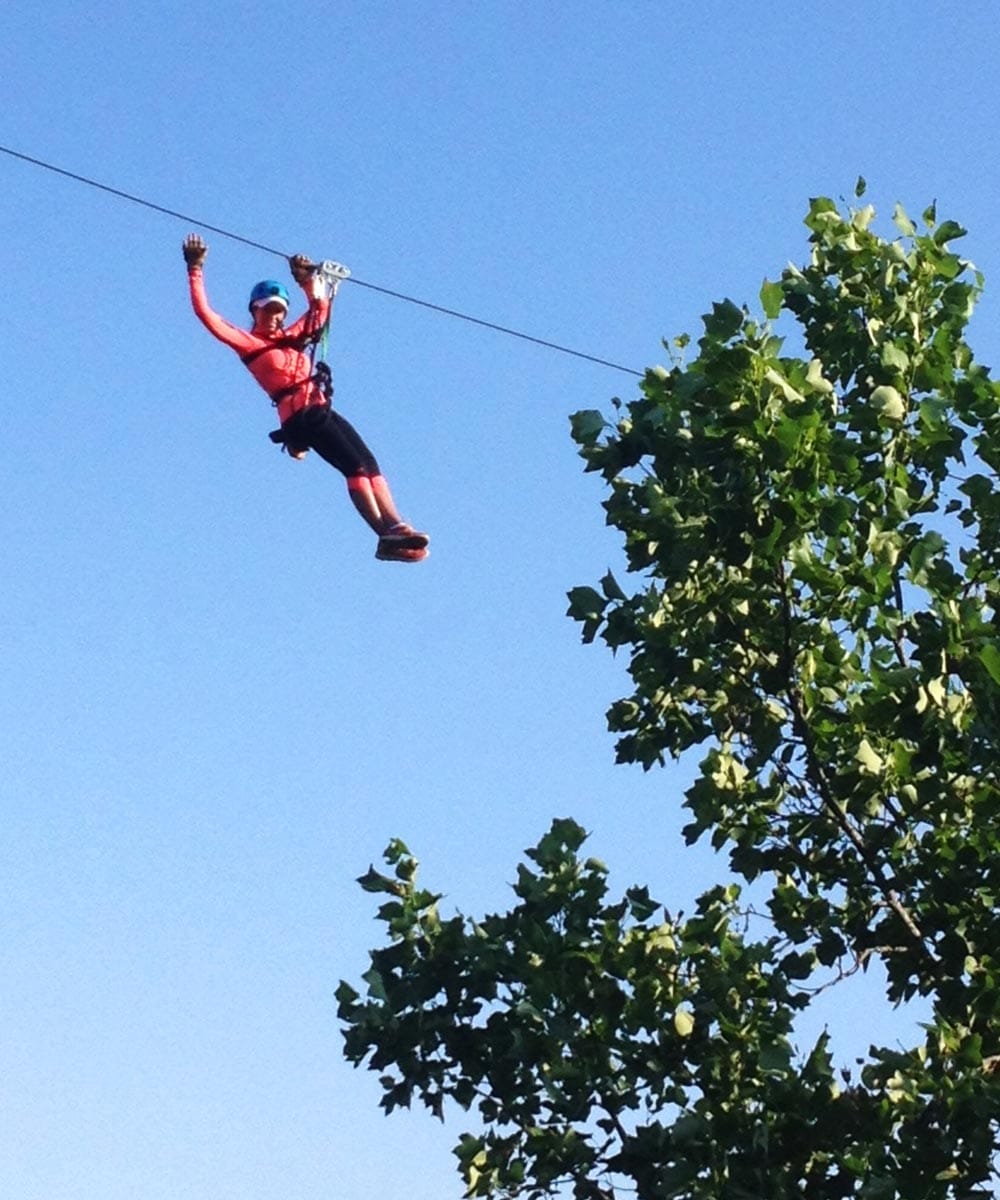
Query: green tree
x=814, y=540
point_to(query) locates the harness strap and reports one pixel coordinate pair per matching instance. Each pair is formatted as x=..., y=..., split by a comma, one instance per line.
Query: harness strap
x=253, y=355
x=285, y=437
x=308, y=337
x=320, y=373
x=322, y=377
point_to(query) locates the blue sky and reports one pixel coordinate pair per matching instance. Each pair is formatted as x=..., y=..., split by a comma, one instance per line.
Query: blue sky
x=218, y=707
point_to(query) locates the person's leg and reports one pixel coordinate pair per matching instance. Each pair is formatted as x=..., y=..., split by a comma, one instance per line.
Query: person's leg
x=373, y=500
x=359, y=488
x=340, y=444
x=383, y=497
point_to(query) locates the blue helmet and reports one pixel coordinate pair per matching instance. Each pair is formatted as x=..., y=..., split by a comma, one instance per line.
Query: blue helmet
x=266, y=291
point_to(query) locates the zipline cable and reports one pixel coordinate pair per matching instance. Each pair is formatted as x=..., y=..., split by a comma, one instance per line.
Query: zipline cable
x=236, y=237
x=170, y=212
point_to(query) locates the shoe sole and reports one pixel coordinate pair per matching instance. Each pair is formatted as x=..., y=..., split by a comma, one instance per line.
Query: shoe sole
x=402, y=554
x=405, y=541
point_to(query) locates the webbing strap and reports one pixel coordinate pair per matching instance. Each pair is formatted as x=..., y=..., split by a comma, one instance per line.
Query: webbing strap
x=321, y=377
x=298, y=343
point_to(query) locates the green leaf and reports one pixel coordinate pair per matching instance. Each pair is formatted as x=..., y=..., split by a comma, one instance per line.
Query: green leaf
x=948, y=231
x=559, y=845
x=683, y=1023
x=641, y=904
x=771, y=297
x=868, y=759
x=989, y=656
x=887, y=401
x=585, y=603
x=724, y=321
x=978, y=488
x=376, y=984
x=611, y=588
x=895, y=357
x=860, y=187
x=903, y=222
x=372, y=881
x=923, y=551
x=587, y=426
x=775, y=1056
x=821, y=209
x=345, y=995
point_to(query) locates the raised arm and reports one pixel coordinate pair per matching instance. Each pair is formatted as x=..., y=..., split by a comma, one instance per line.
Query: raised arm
x=240, y=340
x=317, y=293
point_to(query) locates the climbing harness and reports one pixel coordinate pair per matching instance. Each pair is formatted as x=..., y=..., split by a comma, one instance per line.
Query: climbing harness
x=332, y=275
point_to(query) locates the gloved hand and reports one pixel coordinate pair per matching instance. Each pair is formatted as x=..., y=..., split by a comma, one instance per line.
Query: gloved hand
x=303, y=268
x=194, y=250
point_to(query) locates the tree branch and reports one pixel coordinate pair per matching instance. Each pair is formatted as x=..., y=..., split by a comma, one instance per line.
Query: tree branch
x=816, y=773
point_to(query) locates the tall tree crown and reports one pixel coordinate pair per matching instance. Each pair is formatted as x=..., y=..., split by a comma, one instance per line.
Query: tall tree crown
x=813, y=540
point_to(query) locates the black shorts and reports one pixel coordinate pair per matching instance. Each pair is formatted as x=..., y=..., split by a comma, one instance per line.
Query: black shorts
x=334, y=439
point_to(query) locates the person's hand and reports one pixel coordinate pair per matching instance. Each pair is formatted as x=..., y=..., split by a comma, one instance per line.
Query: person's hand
x=303, y=268
x=194, y=250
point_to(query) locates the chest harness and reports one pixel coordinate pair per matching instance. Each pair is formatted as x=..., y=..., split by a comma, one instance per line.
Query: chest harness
x=319, y=372
x=314, y=338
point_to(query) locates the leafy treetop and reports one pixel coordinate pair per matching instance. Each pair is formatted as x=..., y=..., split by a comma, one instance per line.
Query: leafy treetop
x=814, y=540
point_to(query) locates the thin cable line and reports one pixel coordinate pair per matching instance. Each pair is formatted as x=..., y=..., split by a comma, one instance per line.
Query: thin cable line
x=236, y=237
x=170, y=212
x=450, y=312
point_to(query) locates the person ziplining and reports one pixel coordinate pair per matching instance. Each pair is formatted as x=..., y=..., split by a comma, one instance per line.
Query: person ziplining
x=280, y=360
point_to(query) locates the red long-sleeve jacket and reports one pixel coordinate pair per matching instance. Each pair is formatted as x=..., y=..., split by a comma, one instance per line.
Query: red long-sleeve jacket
x=278, y=363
